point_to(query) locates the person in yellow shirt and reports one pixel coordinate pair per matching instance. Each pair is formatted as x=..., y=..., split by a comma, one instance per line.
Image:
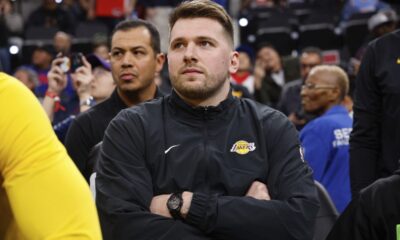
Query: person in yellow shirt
x=42, y=194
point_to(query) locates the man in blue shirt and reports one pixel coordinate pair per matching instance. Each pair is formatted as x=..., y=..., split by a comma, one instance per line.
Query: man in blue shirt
x=326, y=138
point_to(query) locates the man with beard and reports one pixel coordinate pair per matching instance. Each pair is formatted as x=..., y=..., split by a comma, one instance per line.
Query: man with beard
x=135, y=60
x=200, y=163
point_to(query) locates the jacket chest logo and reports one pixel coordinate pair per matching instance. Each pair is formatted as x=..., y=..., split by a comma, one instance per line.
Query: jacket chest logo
x=242, y=147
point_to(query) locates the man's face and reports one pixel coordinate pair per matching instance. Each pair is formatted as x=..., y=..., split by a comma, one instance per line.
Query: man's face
x=102, y=52
x=41, y=58
x=102, y=85
x=200, y=58
x=319, y=93
x=62, y=42
x=307, y=62
x=133, y=61
x=244, y=62
x=269, y=58
x=24, y=78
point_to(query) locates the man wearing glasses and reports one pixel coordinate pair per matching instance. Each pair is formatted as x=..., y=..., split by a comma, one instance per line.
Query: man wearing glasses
x=326, y=138
x=290, y=102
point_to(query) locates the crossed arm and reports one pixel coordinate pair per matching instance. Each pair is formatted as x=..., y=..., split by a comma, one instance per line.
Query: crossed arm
x=257, y=190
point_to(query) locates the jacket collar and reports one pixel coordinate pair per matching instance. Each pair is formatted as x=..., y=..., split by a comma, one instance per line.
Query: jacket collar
x=336, y=109
x=201, y=112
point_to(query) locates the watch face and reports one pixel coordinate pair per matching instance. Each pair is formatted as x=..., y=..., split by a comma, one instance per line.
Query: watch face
x=174, y=202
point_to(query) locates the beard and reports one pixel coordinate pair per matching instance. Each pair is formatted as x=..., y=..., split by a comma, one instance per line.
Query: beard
x=198, y=91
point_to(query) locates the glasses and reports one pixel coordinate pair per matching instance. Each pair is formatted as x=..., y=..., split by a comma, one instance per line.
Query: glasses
x=312, y=86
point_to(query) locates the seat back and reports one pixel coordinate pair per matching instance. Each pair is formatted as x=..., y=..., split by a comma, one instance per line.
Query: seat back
x=356, y=31
x=327, y=214
x=90, y=173
x=40, y=33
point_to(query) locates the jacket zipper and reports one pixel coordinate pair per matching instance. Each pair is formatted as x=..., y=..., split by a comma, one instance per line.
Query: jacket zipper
x=206, y=163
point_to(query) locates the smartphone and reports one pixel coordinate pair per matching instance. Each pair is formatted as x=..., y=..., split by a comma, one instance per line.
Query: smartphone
x=72, y=62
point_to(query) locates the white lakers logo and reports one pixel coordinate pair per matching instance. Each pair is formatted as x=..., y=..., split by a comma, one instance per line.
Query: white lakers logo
x=242, y=147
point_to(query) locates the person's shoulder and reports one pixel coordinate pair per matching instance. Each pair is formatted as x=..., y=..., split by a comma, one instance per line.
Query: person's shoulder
x=293, y=84
x=145, y=108
x=383, y=196
x=262, y=111
x=382, y=186
x=382, y=42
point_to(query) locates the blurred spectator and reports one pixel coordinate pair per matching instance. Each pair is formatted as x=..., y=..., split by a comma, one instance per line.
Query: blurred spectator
x=157, y=12
x=93, y=83
x=375, y=140
x=101, y=50
x=290, y=101
x=62, y=42
x=12, y=19
x=77, y=8
x=362, y=6
x=270, y=75
x=50, y=14
x=383, y=22
x=373, y=215
x=326, y=138
x=102, y=84
x=244, y=75
x=28, y=77
x=240, y=91
x=111, y=12
x=379, y=24
x=58, y=105
x=41, y=59
x=11, y=23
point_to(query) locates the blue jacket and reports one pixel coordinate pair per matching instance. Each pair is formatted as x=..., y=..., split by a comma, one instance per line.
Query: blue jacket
x=326, y=148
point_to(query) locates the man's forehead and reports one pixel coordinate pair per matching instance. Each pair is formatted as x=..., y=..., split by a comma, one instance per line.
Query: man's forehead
x=133, y=36
x=199, y=27
x=306, y=57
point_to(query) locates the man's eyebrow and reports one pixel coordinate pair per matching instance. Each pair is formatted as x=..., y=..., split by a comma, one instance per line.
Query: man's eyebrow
x=130, y=48
x=206, y=38
x=182, y=39
x=179, y=39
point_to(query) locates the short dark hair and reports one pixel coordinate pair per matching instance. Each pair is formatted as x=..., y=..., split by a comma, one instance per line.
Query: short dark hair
x=203, y=9
x=136, y=23
x=266, y=45
x=313, y=50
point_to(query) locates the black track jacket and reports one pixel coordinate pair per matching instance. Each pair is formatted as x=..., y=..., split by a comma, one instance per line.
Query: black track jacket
x=166, y=146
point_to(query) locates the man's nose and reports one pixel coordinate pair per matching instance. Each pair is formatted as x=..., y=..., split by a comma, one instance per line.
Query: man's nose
x=190, y=53
x=127, y=60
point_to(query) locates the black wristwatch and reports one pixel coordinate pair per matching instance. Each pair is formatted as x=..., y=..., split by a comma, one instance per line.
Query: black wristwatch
x=174, y=205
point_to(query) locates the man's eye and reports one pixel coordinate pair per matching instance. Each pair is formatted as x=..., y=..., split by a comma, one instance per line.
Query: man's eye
x=205, y=44
x=138, y=53
x=177, y=45
x=116, y=53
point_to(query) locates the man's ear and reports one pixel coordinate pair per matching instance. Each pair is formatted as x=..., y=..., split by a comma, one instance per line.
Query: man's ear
x=234, y=62
x=334, y=95
x=160, y=59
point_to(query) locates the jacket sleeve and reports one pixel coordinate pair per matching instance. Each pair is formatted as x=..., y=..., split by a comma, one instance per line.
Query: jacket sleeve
x=77, y=144
x=291, y=212
x=365, y=137
x=124, y=187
